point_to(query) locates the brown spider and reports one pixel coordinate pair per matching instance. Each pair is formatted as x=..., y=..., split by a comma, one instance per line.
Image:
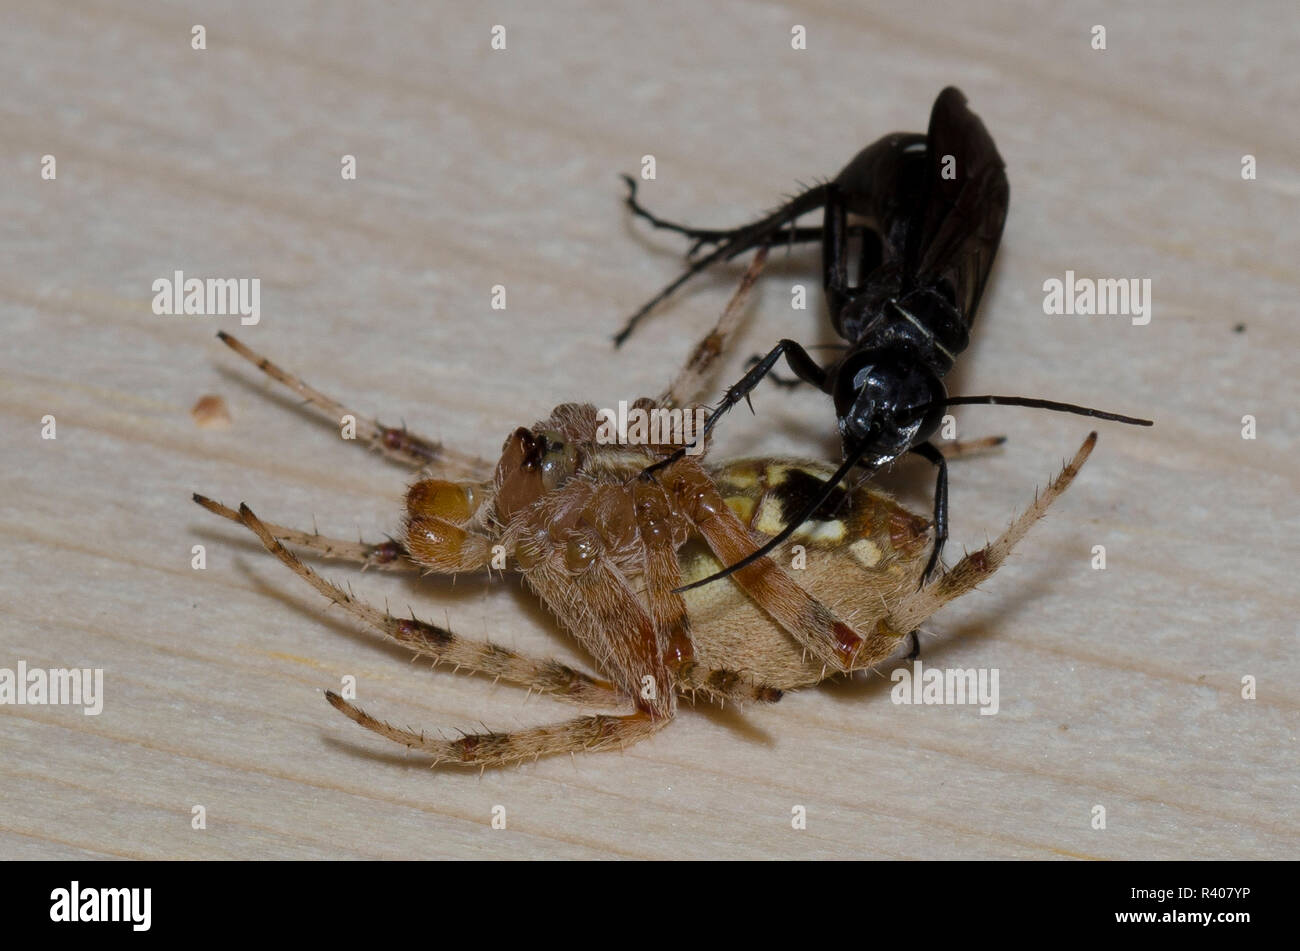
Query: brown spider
x=605, y=546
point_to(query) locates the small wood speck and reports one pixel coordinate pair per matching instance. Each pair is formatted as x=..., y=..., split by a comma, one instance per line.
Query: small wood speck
x=211, y=412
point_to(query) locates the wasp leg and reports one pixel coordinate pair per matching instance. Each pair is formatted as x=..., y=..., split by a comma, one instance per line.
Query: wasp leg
x=765, y=231
x=796, y=357
x=703, y=236
x=928, y=452
x=836, y=246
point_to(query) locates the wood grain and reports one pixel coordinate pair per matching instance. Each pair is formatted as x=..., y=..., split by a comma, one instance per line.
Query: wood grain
x=1119, y=688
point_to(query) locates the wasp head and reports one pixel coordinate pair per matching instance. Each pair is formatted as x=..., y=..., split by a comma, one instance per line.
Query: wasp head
x=887, y=402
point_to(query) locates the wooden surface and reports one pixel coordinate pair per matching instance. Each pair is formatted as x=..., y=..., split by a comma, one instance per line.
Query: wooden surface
x=1119, y=688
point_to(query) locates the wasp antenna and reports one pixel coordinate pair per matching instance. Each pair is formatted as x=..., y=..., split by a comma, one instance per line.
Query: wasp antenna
x=1047, y=404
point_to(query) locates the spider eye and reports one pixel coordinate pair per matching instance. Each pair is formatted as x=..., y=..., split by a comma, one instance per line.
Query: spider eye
x=559, y=459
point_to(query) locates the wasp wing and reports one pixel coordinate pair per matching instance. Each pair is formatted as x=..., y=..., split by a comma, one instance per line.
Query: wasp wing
x=961, y=219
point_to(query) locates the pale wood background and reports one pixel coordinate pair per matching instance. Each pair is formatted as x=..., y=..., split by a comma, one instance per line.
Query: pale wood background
x=1120, y=688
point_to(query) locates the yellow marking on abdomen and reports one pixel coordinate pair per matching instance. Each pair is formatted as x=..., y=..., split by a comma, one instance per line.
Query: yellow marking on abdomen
x=742, y=505
x=866, y=552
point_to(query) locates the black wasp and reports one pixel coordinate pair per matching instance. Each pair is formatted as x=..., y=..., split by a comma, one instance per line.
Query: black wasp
x=929, y=211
